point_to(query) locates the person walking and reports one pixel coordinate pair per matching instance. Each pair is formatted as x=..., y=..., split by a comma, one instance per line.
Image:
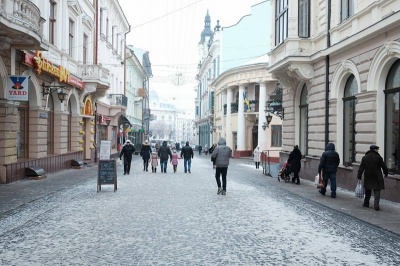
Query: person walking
x=257, y=156
x=372, y=166
x=210, y=150
x=206, y=149
x=164, y=152
x=174, y=160
x=221, y=153
x=295, y=164
x=127, y=151
x=154, y=161
x=145, y=152
x=200, y=148
x=187, y=155
x=328, y=165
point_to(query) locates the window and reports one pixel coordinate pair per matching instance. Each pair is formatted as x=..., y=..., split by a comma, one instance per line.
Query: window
x=303, y=145
x=349, y=117
x=392, y=118
x=304, y=18
x=281, y=21
x=50, y=126
x=113, y=36
x=71, y=37
x=347, y=9
x=69, y=129
x=52, y=21
x=84, y=55
x=22, y=134
x=276, y=136
x=107, y=28
x=101, y=20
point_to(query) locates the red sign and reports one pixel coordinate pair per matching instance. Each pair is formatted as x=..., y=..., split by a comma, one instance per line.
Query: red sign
x=41, y=64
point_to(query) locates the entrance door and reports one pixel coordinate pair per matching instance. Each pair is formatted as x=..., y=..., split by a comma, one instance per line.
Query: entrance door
x=254, y=135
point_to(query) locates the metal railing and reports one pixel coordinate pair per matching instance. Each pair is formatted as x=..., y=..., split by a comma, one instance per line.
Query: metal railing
x=266, y=162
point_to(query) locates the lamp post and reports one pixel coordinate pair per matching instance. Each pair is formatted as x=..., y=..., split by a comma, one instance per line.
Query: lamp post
x=50, y=89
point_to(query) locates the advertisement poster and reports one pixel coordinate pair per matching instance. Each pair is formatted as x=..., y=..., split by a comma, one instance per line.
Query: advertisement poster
x=17, y=88
x=105, y=149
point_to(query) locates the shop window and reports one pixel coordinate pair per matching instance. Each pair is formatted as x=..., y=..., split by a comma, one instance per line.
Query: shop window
x=349, y=117
x=303, y=144
x=392, y=118
x=276, y=136
x=50, y=125
x=22, y=133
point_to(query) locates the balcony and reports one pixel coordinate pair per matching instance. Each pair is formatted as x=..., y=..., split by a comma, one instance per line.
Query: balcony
x=95, y=74
x=118, y=100
x=21, y=25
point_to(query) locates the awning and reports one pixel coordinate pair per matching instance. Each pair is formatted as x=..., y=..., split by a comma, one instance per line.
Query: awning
x=123, y=120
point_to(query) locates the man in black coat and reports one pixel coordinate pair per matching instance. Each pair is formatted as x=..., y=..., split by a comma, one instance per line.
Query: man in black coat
x=187, y=154
x=372, y=165
x=329, y=164
x=295, y=163
x=127, y=151
x=145, y=153
x=164, y=152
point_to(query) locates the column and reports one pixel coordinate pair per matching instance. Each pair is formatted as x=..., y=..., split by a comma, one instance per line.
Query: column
x=241, y=129
x=228, y=131
x=262, y=134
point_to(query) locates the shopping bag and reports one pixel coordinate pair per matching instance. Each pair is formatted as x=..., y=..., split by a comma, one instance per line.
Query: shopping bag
x=359, y=190
x=320, y=181
x=316, y=179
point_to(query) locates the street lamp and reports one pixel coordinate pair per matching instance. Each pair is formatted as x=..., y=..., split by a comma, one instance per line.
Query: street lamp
x=108, y=120
x=50, y=89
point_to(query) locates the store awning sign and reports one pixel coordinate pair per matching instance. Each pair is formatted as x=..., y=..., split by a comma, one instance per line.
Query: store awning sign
x=17, y=88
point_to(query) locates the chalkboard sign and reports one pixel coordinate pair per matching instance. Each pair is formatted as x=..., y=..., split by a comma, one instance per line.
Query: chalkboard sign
x=107, y=174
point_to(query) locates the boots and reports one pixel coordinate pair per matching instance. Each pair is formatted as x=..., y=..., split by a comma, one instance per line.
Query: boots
x=298, y=181
x=219, y=190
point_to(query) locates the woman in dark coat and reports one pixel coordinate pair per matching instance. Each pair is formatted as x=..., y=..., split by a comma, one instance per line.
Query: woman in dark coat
x=145, y=152
x=372, y=165
x=295, y=163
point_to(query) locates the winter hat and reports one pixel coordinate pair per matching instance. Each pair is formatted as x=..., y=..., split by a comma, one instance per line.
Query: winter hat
x=128, y=141
x=373, y=147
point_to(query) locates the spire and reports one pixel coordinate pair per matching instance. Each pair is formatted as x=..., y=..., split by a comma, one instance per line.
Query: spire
x=207, y=28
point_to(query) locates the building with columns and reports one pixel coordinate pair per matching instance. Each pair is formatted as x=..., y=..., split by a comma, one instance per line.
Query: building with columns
x=339, y=65
x=233, y=70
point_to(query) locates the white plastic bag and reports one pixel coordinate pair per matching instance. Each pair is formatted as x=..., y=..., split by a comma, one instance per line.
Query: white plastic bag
x=359, y=190
x=316, y=179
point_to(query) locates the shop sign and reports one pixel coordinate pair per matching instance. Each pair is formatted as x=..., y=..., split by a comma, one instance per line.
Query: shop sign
x=41, y=64
x=17, y=88
x=43, y=115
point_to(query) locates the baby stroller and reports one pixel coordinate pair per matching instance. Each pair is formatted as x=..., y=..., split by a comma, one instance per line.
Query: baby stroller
x=284, y=173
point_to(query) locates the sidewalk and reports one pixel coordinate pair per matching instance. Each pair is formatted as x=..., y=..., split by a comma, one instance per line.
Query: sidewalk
x=15, y=195
x=388, y=218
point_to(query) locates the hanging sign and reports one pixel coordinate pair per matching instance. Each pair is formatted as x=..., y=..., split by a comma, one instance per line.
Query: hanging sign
x=17, y=88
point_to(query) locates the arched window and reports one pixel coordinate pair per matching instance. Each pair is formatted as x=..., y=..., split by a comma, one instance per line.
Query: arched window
x=349, y=116
x=50, y=126
x=303, y=145
x=392, y=117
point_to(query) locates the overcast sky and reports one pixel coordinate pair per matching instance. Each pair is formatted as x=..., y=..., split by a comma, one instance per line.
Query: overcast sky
x=170, y=30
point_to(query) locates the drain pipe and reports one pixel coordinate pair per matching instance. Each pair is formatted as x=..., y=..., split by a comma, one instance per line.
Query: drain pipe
x=328, y=44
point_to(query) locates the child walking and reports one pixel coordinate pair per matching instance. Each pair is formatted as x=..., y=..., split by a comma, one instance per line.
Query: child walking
x=174, y=160
x=154, y=161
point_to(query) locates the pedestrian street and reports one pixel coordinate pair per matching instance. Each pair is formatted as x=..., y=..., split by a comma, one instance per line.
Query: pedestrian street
x=178, y=219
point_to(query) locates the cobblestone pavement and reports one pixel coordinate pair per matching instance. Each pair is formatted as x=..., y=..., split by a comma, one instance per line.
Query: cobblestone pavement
x=178, y=219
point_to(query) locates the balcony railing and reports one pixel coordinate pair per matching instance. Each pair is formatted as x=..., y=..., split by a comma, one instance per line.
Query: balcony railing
x=94, y=73
x=118, y=100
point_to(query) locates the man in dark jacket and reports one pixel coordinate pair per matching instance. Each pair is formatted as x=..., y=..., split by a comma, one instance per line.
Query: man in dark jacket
x=295, y=163
x=221, y=153
x=187, y=154
x=145, y=153
x=164, y=152
x=372, y=165
x=329, y=163
x=127, y=150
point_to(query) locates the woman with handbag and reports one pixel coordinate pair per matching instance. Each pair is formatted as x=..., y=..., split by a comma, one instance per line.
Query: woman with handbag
x=295, y=163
